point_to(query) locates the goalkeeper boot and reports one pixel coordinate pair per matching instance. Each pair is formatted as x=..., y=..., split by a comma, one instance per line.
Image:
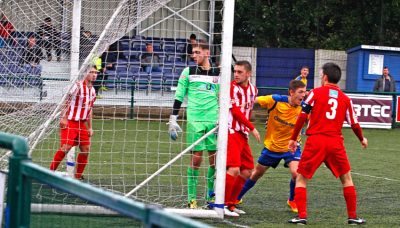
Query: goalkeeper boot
x=192, y=204
x=356, y=221
x=293, y=206
x=298, y=221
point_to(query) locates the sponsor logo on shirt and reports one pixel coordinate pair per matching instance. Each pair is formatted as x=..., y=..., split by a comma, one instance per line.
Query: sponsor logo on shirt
x=333, y=93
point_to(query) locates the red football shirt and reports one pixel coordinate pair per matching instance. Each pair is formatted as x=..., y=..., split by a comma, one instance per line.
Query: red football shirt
x=330, y=107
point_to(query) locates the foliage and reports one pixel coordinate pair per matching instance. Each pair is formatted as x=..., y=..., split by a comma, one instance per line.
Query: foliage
x=327, y=24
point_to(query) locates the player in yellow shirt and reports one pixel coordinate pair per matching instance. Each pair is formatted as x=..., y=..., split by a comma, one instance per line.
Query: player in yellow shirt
x=305, y=70
x=283, y=113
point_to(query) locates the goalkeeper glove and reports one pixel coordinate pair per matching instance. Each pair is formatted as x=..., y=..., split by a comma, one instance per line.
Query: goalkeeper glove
x=173, y=127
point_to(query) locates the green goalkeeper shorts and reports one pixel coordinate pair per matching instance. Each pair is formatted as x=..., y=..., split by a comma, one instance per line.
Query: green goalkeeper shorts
x=195, y=130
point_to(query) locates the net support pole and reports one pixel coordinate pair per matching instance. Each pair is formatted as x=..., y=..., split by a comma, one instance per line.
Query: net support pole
x=75, y=48
x=224, y=99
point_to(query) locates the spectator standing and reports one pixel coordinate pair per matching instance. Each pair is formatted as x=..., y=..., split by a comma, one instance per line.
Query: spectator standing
x=386, y=82
x=32, y=53
x=6, y=29
x=50, y=39
x=189, y=47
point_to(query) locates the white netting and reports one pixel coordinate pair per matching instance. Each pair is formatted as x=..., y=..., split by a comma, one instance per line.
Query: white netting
x=131, y=140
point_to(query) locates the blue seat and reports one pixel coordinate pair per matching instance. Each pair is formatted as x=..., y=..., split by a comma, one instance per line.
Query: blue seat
x=142, y=81
x=15, y=69
x=112, y=81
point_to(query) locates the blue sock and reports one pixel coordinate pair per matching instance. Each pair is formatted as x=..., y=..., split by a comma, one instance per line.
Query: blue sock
x=247, y=186
x=292, y=187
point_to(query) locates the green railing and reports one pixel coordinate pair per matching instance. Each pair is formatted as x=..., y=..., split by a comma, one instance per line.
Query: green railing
x=22, y=171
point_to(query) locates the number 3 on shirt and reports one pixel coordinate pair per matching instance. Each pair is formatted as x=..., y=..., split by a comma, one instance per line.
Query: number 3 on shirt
x=332, y=114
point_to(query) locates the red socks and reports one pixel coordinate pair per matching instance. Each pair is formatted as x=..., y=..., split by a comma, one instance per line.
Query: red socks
x=82, y=160
x=350, y=196
x=237, y=188
x=58, y=157
x=229, y=185
x=300, y=197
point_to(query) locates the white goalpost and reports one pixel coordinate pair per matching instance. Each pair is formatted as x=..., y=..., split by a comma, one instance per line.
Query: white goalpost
x=131, y=151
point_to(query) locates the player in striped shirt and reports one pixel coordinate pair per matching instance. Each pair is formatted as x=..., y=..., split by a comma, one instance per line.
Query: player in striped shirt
x=328, y=107
x=239, y=162
x=76, y=122
x=283, y=112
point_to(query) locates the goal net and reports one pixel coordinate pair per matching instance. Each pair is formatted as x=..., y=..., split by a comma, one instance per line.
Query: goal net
x=50, y=46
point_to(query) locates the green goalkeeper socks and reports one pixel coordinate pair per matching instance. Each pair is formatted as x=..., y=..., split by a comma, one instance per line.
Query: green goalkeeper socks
x=210, y=182
x=192, y=175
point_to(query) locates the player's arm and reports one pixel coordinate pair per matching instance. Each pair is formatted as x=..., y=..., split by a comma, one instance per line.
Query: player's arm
x=355, y=126
x=267, y=100
x=181, y=91
x=306, y=109
x=89, y=123
x=64, y=109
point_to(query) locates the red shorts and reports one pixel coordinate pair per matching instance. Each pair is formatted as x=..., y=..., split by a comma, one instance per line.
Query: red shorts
x=75, y=133
x=327, y=149
x=239, y=153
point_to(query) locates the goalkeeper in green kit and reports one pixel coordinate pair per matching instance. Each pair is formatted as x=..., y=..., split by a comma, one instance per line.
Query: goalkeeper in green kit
x=201, y=85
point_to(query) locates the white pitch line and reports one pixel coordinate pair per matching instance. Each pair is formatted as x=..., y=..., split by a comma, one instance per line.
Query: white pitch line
x=234, y=224
x=383, y=178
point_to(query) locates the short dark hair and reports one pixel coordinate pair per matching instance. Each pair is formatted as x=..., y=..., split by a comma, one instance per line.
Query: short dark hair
x=302, y=67
x=244, y=63
x=47, y=19
x=192, y=36
x=295, y=84
x=332, y=71
x=385, y=67
x=202, y=45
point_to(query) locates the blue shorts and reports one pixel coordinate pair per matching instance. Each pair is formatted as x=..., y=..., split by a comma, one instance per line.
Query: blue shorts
x=272, y=159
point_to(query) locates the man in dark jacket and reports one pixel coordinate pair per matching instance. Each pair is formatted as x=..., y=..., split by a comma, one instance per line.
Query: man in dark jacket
x=50, y=38
x=385, y=83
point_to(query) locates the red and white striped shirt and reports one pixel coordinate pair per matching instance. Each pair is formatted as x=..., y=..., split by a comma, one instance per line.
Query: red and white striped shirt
x=241, y=99
x=82, y=100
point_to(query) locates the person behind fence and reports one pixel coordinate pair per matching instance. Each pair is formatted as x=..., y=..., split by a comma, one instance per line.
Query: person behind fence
x=86, y=44
x=50, y=39
x=76, y=122
x=149, y=60
x=32, y=53
x=386, y=83
x=200, y=84
x=189, y=48
x=6, y=29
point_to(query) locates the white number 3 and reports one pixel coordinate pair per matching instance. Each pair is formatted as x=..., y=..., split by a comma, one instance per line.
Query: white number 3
x=331, y=115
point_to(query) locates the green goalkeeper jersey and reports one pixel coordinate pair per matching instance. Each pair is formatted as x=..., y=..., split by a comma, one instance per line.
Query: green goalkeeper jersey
x=202, y=88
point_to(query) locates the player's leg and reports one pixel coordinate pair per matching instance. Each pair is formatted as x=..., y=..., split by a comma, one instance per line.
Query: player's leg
x=84, y=147
x=311, y=158
x=246, y=168
x=301, y=200
x=292, y=162
x=267, y=159
x=194, y=131
x=211, y=146
x=233, y=163
x=67, y=140
x=350, y=196
x=211, y=176
x=82, y=160
x=59, y=156
x=339, y=165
